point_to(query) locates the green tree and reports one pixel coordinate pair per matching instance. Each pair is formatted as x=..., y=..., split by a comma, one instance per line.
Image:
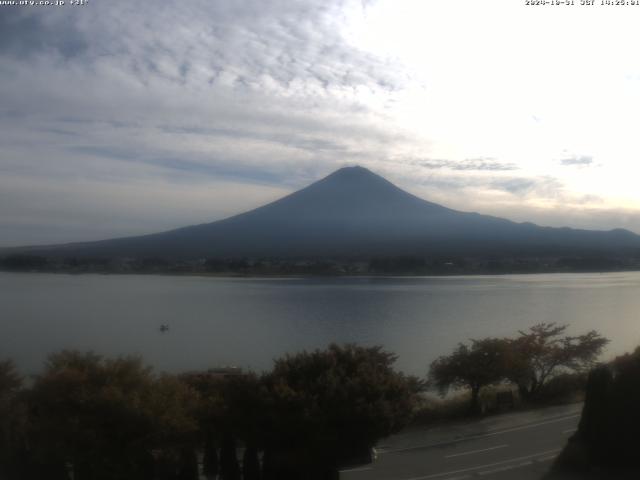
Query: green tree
x=327, y=407
x=543, y=351
x=232, y=407
x=607, y=438
x=471, y=366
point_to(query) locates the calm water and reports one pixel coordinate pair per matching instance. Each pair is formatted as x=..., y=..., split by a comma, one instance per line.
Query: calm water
x=248, y=322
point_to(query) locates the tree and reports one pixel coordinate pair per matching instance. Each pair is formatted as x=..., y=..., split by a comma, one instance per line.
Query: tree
x=110, y=418
x=229, y=466
x=328, y=406
x=188, y=464
x=210, y=463
x=232, y=407
x=480, y=364
x=21, y=262
x=607, y=438
x=540, y=353
x=250, y=464
x=12, y=419
x=10, y=380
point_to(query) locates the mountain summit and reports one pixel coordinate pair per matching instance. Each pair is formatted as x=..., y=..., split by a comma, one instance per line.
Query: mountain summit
x=354, y=213
x=351, y=194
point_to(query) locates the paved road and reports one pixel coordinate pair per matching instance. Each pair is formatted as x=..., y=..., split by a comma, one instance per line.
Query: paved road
x=513, y=446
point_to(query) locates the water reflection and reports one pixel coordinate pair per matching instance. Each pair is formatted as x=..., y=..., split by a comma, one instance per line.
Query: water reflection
x=248, y=322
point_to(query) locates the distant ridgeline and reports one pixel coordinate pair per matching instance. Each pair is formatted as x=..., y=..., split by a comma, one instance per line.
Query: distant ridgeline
x=351, y=222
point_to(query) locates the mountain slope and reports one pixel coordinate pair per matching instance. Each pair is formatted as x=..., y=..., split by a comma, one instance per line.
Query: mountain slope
x=354, y=213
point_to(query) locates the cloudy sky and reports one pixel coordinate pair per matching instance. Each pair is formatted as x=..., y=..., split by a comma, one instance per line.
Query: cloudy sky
x=127, y=117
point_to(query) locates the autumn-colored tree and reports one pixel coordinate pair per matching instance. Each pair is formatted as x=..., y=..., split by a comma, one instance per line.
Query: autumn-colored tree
x=110, y=418
x=543, y=351
x=473, y=366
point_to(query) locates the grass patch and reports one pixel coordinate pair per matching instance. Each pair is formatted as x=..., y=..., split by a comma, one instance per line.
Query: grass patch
x=561, y=390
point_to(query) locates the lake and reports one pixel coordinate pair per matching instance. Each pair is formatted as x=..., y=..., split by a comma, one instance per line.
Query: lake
x=249, y=322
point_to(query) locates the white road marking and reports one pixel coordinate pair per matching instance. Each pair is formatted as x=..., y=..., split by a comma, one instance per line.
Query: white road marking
x=569, y=430
x=547, y=458
x=359, y=469
x=482, y=435
x=475, y=451
x=519, y=465
x=488, y=465
x=506, y=469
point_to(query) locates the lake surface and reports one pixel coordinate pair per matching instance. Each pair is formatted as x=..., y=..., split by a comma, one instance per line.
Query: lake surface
x=249, y=322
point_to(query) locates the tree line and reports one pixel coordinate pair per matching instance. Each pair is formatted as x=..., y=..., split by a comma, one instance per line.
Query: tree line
x=387, y=265
x=89, y=417
x=528, y=361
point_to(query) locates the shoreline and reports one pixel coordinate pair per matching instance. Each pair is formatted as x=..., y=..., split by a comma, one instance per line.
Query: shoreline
x=240, y=275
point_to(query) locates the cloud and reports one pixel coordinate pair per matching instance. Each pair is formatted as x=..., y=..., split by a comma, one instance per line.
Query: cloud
x=516, y=186
x=540, y=189
x=575, y=215
x=26, y=32
x=478, y=164
x=523, y=188
x=41, y=208
x=582, y=160
x=263, y=95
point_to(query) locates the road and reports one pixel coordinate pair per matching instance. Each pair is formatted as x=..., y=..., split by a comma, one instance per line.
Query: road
x=510, y=446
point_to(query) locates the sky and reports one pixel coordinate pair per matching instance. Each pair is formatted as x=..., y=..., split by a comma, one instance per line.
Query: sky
x=127, y=117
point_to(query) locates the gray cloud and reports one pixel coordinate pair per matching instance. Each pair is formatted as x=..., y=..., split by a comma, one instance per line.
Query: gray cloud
x=516, y=186
x=542, y=187
x=478, y=164
x=577, y=160
x=26, y=32
x=266, y=93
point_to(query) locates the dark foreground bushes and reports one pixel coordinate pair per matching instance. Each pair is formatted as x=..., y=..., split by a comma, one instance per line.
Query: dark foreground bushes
x=607, y=442
x=91, y=418
x=98, y=418
x=88, y=417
